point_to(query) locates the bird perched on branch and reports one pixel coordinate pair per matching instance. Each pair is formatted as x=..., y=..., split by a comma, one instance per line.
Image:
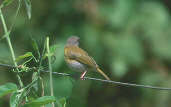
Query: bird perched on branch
x=78, y=59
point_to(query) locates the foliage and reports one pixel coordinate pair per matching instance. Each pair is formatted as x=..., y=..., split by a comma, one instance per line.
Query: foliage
x=7, y=88
x=129, y=39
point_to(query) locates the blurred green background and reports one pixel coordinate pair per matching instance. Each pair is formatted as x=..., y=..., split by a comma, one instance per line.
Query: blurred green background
x=129, y=39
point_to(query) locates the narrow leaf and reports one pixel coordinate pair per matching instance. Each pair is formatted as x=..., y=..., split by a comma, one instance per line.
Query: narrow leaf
x=41, y=101
x=18, y=97
x=5, y=35
x=34, y=44
x=28, y=8
x=53, y=49
x=6, y=3
x=28, y=54
x=7, y=88
x=14, y=100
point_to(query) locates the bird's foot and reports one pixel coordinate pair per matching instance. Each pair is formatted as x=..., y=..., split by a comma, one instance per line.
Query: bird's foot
x=82, y=75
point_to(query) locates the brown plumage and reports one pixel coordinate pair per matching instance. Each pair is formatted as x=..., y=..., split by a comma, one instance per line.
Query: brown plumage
x=79, y=59
x=76, y=53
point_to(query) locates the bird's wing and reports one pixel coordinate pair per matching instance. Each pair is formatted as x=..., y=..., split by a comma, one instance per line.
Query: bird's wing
x=76, y=53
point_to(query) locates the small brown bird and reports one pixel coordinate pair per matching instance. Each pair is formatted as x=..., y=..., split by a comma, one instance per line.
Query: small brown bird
x=78, y=59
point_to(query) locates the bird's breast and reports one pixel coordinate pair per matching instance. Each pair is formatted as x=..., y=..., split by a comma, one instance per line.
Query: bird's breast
x=75, y=65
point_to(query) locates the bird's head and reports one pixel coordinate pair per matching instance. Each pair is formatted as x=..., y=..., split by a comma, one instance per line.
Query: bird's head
x=73, y=41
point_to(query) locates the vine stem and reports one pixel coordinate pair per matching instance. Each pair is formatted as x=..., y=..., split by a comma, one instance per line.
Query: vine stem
x=10, y=46
x=50, y=68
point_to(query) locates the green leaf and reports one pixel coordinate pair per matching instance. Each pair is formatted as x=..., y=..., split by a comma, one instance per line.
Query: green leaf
x=53, y=49
x=28, y=54
x=7, y=88
x=62, y=102
x=34, y=44
x=17, y=97
x=5, y=35
x=41, y=101
x=28, y=8
x=6, y=3
x=14, y=100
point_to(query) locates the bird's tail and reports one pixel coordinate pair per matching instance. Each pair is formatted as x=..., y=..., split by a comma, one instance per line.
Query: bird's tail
x=102, y=73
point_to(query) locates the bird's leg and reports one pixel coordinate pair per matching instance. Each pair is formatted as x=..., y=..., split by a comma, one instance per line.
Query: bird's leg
x=82, y=75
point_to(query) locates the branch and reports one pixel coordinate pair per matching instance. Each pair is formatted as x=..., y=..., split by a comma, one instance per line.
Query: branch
x=105, y=81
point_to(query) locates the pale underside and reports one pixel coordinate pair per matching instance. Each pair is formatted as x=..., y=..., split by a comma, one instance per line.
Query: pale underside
x=77, y=66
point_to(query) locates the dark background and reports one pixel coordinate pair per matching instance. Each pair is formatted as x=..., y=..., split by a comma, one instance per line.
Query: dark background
x=129, y=39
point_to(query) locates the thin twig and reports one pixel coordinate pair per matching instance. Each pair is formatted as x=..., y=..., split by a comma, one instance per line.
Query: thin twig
x=50, y=68
x=43, y=90
x=10, y=46
x=6, y=65
x=116, y=82
x=102, y=80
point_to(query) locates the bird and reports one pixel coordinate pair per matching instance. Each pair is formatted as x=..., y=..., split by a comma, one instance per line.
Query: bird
x=77, y=59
